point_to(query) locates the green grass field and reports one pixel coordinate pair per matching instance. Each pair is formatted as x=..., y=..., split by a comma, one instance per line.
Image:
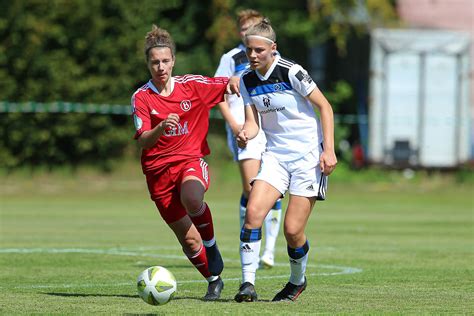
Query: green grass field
x=75, y=244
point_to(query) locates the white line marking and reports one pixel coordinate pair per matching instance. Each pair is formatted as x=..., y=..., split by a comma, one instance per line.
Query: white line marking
x=114, y=251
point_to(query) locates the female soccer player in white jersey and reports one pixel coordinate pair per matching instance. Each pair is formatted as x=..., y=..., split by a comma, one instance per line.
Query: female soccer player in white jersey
x=171, y=116
x=299, y=155
x=234, y=63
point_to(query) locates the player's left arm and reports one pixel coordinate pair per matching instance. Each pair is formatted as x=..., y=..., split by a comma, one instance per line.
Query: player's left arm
x=328, y=158
x=250, y=128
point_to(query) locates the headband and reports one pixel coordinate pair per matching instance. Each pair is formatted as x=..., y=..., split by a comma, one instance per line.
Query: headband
x=260, y=37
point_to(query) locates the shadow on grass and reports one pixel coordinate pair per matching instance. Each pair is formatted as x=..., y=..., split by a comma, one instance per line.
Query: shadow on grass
x=88, y=295
x=176, y=298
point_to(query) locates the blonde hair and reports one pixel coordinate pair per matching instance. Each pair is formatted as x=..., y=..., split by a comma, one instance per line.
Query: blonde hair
x=159, y=37
x=263, y=29
x=248, y=14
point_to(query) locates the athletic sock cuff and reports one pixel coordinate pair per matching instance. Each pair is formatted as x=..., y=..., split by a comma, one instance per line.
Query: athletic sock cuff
x=300, y=252
x=250, y=235
x=277, y=205
x=243, y=201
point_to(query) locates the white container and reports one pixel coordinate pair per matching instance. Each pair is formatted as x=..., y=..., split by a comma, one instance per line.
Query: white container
x=419, y=106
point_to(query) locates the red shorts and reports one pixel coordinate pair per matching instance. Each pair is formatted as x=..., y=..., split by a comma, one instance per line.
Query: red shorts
x=164, y=185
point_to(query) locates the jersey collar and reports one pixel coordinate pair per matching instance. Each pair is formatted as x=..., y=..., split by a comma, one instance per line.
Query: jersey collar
x=270, y=70
x=155, y=89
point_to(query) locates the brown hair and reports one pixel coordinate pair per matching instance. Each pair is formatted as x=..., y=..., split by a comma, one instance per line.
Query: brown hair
x=159, y=37
x=264, y=29
x=248, y=14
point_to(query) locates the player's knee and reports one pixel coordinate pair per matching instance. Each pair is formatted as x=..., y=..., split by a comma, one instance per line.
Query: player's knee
x=293, y=234
x=192, y=204
x=252, y=218
x=191, y=245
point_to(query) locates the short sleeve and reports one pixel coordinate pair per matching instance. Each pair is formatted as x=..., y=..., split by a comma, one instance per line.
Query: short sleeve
x=226, y=67
x=301, y=80
x=141, y=116
x=211, y=90
x=244, y=93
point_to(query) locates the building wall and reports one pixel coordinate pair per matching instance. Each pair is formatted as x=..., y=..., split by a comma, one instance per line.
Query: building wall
x=441, y=14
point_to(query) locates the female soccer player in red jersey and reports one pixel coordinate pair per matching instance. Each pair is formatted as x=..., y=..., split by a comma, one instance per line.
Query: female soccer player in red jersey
x=171, y=116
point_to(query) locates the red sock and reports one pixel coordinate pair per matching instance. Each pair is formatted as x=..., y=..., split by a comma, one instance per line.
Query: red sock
x=199, y=260
x=202, y=219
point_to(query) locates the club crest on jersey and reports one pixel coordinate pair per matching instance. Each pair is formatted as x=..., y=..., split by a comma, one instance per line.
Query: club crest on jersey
x=266, y=101
x=277, y=87
x=185, y=105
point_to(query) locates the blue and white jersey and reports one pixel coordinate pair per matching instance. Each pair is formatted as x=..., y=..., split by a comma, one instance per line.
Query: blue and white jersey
x=288, y=119
x=234, y=63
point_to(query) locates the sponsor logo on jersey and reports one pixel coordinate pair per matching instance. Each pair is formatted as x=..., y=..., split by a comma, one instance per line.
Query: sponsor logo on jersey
x=154, y=112
x=304, y=77
x=185, y=105
x=272, y=110
x=177, y=130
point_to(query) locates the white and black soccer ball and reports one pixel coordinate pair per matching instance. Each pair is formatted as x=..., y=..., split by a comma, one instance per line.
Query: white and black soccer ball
x=156, y=285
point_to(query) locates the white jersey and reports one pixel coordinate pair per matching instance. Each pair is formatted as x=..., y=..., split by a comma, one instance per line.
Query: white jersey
x=288, y=119
x=234, y=63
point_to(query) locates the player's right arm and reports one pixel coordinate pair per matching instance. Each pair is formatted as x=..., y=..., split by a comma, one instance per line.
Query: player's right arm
x=146, y=134
x=148, y=139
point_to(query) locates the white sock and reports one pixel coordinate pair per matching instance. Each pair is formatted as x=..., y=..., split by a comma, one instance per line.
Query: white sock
x=272, y=227
x=249, y=257
x=298, y=269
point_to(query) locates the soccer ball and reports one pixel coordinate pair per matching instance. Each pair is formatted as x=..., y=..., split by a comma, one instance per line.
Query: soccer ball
x=156, y=285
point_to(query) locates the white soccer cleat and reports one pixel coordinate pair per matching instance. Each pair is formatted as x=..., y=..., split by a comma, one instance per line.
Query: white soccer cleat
x=267, y=261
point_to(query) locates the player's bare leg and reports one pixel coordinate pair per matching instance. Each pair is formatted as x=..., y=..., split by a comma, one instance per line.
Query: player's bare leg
x=192, y=195
x=296, y=218
x=191, y=242
x=248, y=170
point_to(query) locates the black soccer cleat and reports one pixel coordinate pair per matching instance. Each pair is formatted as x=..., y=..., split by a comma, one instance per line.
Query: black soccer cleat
x=214, y=260
x=214, y=290
x=246, y=293
x=290, y=292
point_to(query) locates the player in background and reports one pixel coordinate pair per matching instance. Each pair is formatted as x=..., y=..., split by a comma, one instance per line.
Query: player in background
x=234, y=63
x=171, y=116
x=285, y=97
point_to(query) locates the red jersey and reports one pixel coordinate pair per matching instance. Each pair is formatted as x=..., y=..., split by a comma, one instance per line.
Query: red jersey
x=192, y=98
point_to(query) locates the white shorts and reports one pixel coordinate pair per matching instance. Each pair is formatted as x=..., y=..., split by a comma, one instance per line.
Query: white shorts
x=301, y=177
x=255, y=147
